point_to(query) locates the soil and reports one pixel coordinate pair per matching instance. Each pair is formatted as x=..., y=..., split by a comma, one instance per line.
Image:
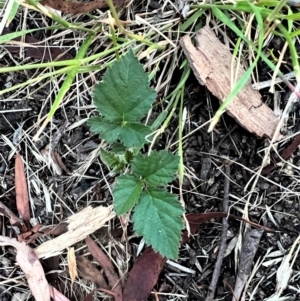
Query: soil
x=274, y=203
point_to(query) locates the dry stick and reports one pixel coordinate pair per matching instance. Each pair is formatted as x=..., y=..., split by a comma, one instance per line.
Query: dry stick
x=248, y=251
x=223, y=245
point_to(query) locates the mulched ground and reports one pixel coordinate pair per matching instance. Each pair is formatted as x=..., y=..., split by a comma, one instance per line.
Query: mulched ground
x=274, y=203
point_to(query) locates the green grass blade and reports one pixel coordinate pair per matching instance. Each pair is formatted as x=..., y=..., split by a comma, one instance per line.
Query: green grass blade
x=8, y=5
x=71, y=75
x=293, y=50
x=73, y=62
x=12, y=13
x=175, y=96
x=193, y=18
x=13, y=35
x=35, y=80
x=275, y=12
x=234, y=28
x=67, y=83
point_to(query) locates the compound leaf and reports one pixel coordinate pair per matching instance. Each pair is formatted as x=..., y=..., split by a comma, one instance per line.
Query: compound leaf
x=123, y=98
x=130, y=134
x=118, y=148
x=107, y=130
x=126, y=193
x=113, y=161
x=156, y=169
x=133, y=134
x=124, y=95
x=157, y=217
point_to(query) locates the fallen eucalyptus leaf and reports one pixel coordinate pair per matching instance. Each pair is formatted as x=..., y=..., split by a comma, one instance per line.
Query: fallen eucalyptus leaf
x=32, y=268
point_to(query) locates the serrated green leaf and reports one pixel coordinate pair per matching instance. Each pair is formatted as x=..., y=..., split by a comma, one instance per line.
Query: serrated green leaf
x=109, y=131
x=126, y=193
x=130, y=134
x=133, y=134
x=128, y=156
x=157, y=169
x=124, y=94
x=113, y=161
x=157, y=217
x=118, y=148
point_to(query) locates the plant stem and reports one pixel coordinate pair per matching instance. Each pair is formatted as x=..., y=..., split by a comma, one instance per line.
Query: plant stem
x=293, y=50
x=36, y=80
x=274, y=13
x=115, y=15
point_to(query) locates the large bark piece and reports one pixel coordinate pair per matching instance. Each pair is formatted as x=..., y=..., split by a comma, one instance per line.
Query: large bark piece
x=210, y=61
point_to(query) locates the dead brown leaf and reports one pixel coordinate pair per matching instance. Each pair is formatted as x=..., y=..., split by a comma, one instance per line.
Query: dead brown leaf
x=143, y=276
x=37, y=49
x=195, y=219
x=42, y=230
x=23, y=236
x=145, y=271
x=21, y=189
x=55, y=230
x=89, y=271
x=211, y=62
x=51, y=268
x=107, y=266
x=285, y=154
x=32, y=268
x=77, y=7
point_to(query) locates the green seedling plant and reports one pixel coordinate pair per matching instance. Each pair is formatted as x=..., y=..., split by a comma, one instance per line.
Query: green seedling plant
x=82, y=63
x=123, y=98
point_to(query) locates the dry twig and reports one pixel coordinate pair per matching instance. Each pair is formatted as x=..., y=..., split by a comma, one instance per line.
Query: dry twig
x=249, y=248
x=223, y=245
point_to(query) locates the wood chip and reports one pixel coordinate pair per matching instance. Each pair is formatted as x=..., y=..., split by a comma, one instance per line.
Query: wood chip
x=210, y=61
x=80, y=225
x=72, y=264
